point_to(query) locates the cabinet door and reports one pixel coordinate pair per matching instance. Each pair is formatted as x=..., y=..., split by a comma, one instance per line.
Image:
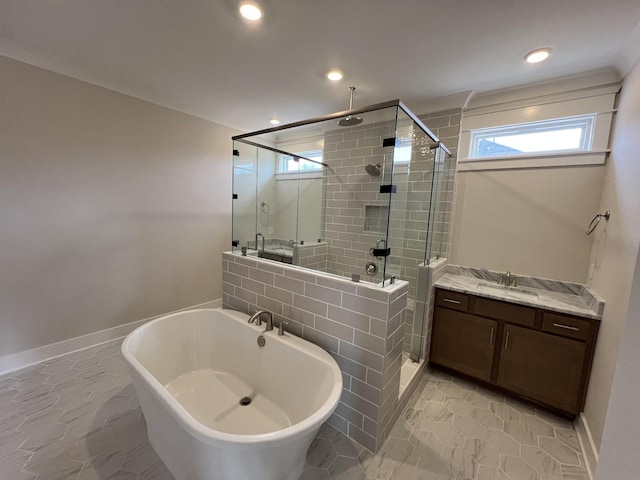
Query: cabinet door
x=542, y=366
x=463, y=342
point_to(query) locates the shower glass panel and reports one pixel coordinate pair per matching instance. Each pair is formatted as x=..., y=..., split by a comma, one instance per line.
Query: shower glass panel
x=410, y=233
x=359, y=166
x=442, y=205
x=245, y=181
x=343, y=197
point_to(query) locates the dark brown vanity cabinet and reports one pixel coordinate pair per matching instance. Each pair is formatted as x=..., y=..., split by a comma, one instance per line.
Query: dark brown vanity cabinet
x=536, y=354
x=465, y=343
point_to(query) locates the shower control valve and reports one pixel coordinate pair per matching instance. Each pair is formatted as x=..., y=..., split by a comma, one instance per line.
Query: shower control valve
x=371, y=268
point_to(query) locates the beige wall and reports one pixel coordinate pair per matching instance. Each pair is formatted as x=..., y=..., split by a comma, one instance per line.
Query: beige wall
x=528, y=221
x=111, y=209
x=615, y=252
x=619, y=447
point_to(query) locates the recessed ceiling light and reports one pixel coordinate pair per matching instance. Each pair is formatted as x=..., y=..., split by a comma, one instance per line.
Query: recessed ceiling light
x=334, y=75
x=250, y=11
x=274, y=121
x=538, y=55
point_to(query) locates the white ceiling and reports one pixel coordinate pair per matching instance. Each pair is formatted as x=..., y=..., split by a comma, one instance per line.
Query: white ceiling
x=200, y=57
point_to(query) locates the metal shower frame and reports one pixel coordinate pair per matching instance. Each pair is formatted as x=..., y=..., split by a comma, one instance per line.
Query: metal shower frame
x=379, y=106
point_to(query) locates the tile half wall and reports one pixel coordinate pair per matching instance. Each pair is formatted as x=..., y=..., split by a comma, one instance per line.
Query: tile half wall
x=360, y=325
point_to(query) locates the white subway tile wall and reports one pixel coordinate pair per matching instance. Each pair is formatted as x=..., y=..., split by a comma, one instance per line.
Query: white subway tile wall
x=361, y=326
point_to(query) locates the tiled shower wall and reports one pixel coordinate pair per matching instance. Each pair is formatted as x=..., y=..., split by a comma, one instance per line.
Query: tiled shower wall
x=349, y=189
x=350, y=232
x=446, y=126
x=360, y=325
x=417, y=333
x=355, y=212
x=311, y=255
x=352, y=198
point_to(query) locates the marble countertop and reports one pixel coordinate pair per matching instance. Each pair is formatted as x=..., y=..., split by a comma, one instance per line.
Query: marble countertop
x=576, y=299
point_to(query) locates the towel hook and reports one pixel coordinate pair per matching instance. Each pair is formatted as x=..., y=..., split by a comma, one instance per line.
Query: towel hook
x=596, y=220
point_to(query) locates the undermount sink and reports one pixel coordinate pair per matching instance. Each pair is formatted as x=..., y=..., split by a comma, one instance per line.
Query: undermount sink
x=503, y=289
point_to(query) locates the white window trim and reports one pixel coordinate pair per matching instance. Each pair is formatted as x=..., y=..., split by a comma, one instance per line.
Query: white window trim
x=598, y=102
x=299, y=175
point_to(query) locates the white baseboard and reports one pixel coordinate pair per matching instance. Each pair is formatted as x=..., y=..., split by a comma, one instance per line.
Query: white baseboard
x=588, y=446
x=19, y=360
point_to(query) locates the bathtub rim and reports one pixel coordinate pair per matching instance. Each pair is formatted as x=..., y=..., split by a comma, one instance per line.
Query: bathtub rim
x=217, y=437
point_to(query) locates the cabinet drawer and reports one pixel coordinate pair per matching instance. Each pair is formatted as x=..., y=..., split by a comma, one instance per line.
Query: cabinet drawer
x=452, y=300
x=566, y=326
x=505, y=311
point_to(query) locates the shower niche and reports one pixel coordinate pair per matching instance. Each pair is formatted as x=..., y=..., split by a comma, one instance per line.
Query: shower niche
x=360, y=199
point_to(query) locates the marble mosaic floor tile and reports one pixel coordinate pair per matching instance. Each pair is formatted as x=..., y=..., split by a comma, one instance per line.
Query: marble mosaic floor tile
x=77, y=417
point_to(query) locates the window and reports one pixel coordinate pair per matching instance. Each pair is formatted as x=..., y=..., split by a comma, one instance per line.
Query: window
x=561, y=124
x=574, y=134
x=402, y=154
x=243, y=169
x=288, y=164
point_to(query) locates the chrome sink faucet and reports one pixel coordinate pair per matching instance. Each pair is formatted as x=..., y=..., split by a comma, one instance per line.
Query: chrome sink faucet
x=508, y=279
x=256, y=317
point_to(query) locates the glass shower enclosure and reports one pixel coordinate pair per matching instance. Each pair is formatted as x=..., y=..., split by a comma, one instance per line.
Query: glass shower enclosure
x=363, y=194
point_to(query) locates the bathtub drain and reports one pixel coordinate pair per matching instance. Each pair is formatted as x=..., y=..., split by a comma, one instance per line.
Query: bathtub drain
x=244, y=401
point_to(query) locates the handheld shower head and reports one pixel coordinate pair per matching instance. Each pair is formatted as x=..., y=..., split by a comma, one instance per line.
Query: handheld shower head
x=350, y=120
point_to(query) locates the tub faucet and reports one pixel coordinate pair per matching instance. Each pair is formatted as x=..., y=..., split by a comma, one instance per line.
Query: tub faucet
x=256, y=317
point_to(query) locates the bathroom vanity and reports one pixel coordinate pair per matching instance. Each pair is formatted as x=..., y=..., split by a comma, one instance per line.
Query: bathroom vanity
x=536, y=344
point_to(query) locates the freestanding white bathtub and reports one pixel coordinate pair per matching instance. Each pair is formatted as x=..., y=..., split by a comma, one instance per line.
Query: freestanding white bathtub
x=190, y=371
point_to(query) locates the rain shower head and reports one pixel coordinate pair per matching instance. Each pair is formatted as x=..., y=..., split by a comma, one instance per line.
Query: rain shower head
x=350, y=120
x=373, y=170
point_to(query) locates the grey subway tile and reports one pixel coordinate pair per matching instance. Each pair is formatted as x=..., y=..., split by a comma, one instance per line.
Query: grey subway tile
x=366, y=391
x=269, y=304
x=246, y=261
x=261, y=276
x=289, y=284
x=253, y=286
x=321, y=339
x=360, y=355
x=310, y=305
x=373, y=293
x=246, y=295
x=334, y=328
x=374, y=378
x=349, y=414
x=368, y=307
x=378, y=328
x=240, y=270
x=232, y=279
x=363, y=438
x=370, y=342
x=339, y=423
x=323, y=294
x=297, y=315
x=350, y=367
